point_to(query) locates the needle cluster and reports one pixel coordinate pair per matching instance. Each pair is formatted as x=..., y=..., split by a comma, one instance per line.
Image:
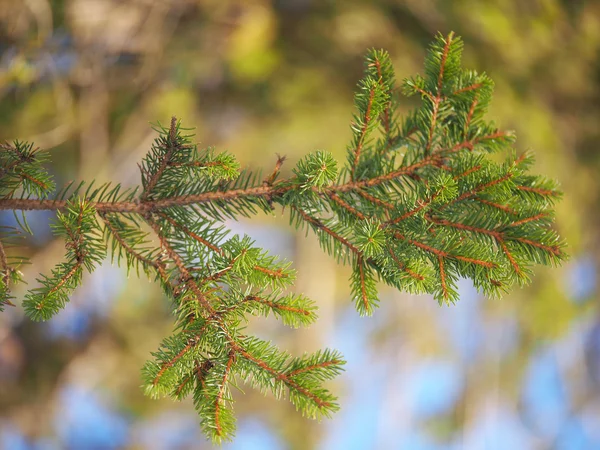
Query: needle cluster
x=418, y=205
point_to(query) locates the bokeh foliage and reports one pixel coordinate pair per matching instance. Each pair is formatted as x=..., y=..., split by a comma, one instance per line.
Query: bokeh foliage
x=82, y=78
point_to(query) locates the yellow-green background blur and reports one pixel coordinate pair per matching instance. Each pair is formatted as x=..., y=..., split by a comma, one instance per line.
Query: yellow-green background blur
x=83, y=79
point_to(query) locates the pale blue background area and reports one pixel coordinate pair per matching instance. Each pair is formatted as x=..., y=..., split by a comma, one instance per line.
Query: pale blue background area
x=428, y=388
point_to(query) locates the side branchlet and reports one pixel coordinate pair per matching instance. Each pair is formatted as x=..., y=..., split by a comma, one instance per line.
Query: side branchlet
x=418, y=205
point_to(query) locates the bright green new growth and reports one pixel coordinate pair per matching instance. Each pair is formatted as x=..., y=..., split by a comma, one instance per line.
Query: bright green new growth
x=417, y=206
x=77, y=225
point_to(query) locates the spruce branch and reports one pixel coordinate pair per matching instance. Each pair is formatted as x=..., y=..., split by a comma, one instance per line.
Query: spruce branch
x=418, y=205
x=85, y=249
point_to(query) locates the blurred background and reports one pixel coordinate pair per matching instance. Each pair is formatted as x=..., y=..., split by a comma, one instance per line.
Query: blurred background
x=83, y=79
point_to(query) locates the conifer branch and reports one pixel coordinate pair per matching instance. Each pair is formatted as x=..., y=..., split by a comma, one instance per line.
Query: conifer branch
x=321, y=365
x=363, y=288
x=442, y=254
x=471, y=87
x=479, y=188
x=190, y=233
x=445, y=294
x=157, y=264
x=187, y=279
x=164, y=162
x=402, y=266
x=529, y=219
x=511, y=258
x=437, y=99
x=282, y=376
x=386, y=121
x=273, y=305
x=363, y=131
x=271, y=178
x=417, y=205
x=497, y=206
x=540, y=191
x=372, y=199
x=170, y=363
x=471, y=109
x=321, y=226
x=339, y=201
x=274, y=193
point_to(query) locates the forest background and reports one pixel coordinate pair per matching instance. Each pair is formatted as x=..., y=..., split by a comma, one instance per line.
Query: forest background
x=83, y=79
